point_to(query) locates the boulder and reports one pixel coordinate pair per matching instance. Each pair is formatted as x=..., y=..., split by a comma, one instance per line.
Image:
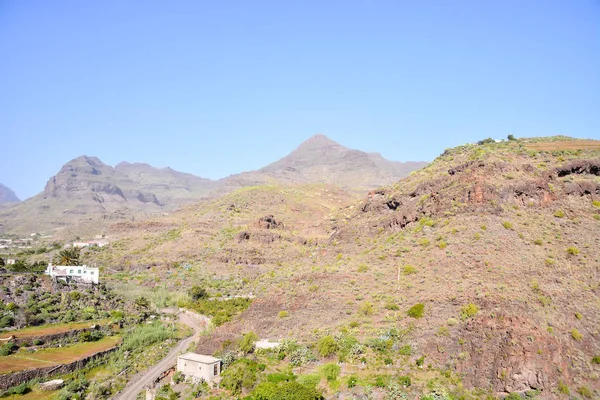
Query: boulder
x=52, y=385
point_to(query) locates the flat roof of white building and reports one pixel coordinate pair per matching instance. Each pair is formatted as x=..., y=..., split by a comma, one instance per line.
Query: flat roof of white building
x=200, y=358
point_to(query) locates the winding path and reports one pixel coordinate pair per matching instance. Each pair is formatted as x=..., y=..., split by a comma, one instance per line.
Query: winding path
x=138, y=384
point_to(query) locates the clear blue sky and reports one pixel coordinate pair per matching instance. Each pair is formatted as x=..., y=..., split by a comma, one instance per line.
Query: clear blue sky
x=219, y=87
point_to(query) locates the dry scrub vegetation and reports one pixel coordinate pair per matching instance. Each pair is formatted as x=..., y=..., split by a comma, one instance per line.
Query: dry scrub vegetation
x=483, y=239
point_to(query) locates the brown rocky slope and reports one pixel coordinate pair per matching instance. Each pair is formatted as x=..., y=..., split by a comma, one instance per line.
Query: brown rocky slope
x=500, y=243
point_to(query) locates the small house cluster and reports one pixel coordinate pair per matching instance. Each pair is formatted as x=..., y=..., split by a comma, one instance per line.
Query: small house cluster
x=73, y=274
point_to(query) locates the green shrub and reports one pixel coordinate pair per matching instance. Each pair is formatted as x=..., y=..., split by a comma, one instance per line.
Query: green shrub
x=281, y=377
x=468, y=311
x=404, y=381
x=573, y=250
x=409, y=269
x=222, y=311
x=596, y=360
x=596, y=203
x=442, y=244
x=379, y=381
x=330, y=372
x=283, y=314
x=6, y=321
x=92, y=336
x=38, y=342
x=366, y=309
x=240, y=375
x=327, y=346
x=352, y=381
x=416, y=311
x=585, y=392
x=311, y=380
x=507, y=225
x=75, y=295
x=562, y=388
x=178, y=377
x=576, y=335
x=538, y=242
x=390, y=305
x=420, y=361
x=285, y=391
x=197, y=293
x=248, y=341
x=559, y=214
x=8, y=348
x=388, y=361
x=20, y=390
x=405, y=350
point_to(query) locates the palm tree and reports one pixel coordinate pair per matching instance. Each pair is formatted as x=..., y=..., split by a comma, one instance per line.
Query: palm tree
x=142, y=302
x=68, y=257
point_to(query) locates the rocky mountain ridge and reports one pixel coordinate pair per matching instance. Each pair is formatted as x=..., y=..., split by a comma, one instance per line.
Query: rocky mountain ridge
x=86, y=189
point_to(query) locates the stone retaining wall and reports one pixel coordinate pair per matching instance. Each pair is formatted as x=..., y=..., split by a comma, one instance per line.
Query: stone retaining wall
x=16, y=378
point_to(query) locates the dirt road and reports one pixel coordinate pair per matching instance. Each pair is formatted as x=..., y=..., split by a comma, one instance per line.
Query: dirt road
x=134, y=387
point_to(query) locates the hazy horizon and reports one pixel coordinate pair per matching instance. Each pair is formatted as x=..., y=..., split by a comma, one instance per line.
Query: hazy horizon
x=216, y=89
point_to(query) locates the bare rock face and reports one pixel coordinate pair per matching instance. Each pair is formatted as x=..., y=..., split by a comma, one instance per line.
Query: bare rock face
x=475, y=187
x=269, y=222
x=512, y=354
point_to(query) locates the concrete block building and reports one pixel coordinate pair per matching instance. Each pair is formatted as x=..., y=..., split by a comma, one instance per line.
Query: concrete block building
x=198, y=366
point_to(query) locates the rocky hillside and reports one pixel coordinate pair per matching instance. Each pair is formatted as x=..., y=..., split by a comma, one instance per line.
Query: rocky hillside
x=496, y=244
x=321, y=160
x=7, y=195
x=86, y=189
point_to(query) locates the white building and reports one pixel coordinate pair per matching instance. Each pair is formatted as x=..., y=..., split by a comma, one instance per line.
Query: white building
x=73, y=273
x=198, y=366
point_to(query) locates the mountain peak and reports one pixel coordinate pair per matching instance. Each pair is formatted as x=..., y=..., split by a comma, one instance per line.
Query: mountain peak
x=317, y=141
x=7, y=195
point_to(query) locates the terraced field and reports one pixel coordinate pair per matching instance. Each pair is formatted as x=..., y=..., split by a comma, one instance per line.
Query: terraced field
x=37, y=395
x=23, y=360
x=50, y=329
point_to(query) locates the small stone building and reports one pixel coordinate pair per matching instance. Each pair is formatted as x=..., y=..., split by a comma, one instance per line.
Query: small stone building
x=199, y=366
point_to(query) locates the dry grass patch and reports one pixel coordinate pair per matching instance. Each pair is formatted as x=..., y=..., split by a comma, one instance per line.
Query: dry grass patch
x=567, y=145
x=50, y=329
x=36, y=395
x=55, y=356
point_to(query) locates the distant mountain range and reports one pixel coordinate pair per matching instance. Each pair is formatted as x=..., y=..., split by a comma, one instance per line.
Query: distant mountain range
x=85, y=188
x=7, y=195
